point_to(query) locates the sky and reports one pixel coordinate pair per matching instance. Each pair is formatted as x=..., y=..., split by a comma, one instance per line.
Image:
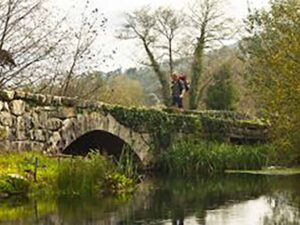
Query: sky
x=127, y=52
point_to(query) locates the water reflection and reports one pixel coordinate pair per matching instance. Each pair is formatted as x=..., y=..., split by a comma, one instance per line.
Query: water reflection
x=229, y=199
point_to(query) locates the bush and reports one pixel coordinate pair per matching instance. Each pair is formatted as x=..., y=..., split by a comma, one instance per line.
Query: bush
x=13, y=184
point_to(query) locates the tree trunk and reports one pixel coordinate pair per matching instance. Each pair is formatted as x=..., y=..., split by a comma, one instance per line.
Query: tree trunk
x=163, y=79
x=197, y=71
x=170, y=57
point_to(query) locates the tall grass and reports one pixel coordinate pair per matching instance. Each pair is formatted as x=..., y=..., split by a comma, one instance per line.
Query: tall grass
x=127, y=165
x=83, y=176
x=210, y=157
x=71, y=176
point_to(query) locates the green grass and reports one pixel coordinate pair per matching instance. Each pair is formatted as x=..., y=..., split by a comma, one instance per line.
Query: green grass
x=212, y=157
x=75, y=176
x=82, y=176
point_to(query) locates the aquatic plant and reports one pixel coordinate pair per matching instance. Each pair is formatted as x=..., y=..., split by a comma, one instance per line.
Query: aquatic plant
x=207, y=157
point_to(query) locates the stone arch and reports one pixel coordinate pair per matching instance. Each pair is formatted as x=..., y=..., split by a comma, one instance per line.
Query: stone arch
x=84, y=125
x=99, y=140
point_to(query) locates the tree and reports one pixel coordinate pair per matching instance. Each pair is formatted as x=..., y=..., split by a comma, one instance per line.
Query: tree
x=169, y=27
x=208, y=20
x=272, y=51
x=156, y=31
x=85, y=37
x=222, y=95
x=46, y=48
x=29, y=36
x=85, y=86
x=124, y=91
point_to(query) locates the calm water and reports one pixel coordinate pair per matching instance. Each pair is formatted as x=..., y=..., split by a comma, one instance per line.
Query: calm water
x=227, y=200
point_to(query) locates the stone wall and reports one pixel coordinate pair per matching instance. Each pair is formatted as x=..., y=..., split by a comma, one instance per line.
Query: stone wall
x=50, y=123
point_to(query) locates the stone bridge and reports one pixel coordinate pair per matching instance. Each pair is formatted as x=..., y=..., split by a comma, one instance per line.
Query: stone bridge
x=68, y=125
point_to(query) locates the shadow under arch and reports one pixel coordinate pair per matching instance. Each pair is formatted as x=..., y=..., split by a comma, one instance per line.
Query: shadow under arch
x=100, y=140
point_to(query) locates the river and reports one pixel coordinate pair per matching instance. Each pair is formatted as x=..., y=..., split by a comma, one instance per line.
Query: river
x=230, y=199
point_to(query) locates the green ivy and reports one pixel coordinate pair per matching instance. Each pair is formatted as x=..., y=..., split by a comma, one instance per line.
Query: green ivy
x=162, y=126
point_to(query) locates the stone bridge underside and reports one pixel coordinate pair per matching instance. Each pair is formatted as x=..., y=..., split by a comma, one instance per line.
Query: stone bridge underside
x=67, y=125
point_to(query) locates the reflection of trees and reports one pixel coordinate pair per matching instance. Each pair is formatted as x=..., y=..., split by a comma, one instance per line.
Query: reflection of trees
x=177, y=198
x=167, y=199
x=282, y=213
x=285, y=204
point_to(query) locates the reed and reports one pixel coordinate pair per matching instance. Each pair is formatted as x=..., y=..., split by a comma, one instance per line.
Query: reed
x=82, y=175
x=213, y=157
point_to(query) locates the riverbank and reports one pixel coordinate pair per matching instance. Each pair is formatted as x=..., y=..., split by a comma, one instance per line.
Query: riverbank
x=32, y=173
x=166, y=199
x=269, y=171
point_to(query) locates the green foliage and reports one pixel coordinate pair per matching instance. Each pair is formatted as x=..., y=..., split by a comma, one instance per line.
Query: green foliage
x=13, y=184
x=127, y=165
x=222, y=95
x=212, y=157
x=272, y=52
x=117, y=183
x=76, y=176
x=162, y=126
x=82, y=176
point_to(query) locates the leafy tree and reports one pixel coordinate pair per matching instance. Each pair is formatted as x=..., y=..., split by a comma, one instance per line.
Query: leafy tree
x=272, y=51
x=222, y=95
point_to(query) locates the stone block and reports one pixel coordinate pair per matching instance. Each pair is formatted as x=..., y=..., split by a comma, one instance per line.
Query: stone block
x=6, y=107
x=21, y=135
x=20, y=146
x=3, y=133
x=42, y=118
x=53, y=124
x=55, y=139
x=38, y=135
x=11, y=134
x=4, y=145
x=6, y=119
x=57, y=101
x=48, y=108
x=24, y=123
x=20, y=95
x=37, y=146
x=7, y=95
x=1, y=105
x=17, y=107
x=35, y=120
x=64, y=113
